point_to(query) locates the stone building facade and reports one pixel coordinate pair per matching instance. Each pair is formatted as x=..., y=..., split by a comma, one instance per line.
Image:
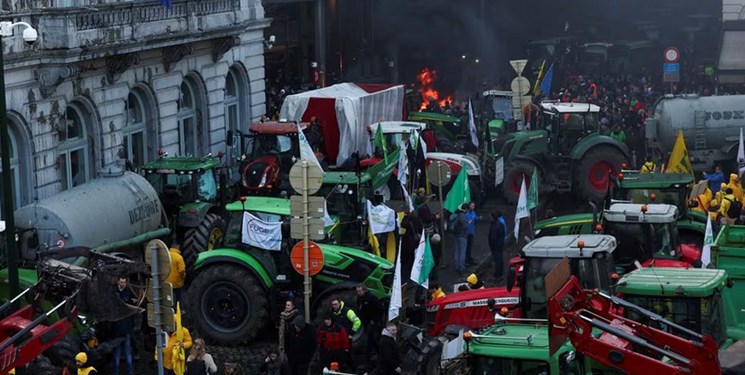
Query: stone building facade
x=111, y=79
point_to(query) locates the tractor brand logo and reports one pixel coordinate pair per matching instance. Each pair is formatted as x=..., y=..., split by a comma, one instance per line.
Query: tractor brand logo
x=335, y=274
x=433, y=308
x=725, y=115
x=257, y=227
x=144, y=211
x=482, y=302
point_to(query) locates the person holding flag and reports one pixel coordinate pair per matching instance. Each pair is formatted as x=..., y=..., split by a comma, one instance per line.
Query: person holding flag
x=174, y=354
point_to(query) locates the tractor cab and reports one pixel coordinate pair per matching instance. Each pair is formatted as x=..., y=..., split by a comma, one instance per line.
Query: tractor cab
x=647, y=234
x=667, y=188
x=270, y=150
x=567, y=124
x=346, y=193
x=496, y=113
x=689, y=297
x=181, y=180
x=590, y=258
x=447, y=128
x=394, y=133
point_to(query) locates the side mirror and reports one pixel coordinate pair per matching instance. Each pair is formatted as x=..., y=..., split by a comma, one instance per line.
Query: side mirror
x=229, y=139
x=511, y=275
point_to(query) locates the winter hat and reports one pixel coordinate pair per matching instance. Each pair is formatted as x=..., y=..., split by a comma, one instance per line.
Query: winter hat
x=299, y=322
x=81, y=357
x=472, y=279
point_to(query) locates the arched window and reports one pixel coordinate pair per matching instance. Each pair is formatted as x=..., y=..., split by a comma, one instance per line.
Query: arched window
x=232, y=102
x=190, y=127
x=15, y=174
x=237, y=107
x=135, y=131
x=74, y=162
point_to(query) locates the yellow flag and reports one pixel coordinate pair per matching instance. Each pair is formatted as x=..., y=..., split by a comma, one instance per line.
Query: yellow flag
x=537, y=86
x=179, y=327
x=390, y=247
x=679, y=161
x=179, y=356
x=373, y=240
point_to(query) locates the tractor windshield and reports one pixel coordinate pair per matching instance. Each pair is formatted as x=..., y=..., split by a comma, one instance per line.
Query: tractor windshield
x=181, y=186
x=674, y=197
x=593, y=273
x=642, y=241
x=267, y=144
x=508, y=366
x=207, y=190
x=702, y=315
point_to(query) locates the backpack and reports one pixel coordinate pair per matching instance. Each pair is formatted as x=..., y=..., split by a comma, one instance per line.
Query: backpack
x=456, y=224
x=735, y=207
x=196, y=367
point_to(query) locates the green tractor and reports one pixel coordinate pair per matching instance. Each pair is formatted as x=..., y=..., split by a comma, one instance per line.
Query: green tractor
x=193, y=193
x=567, y=150
x=237, y=288
x=448, y=129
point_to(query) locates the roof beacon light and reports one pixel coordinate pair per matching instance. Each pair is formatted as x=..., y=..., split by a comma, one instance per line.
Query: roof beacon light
x=620, y=177
x=653, y=197
x=644, y=209
x=580, y=245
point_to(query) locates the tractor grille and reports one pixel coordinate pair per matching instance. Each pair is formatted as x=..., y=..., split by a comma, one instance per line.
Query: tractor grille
x=252, y=174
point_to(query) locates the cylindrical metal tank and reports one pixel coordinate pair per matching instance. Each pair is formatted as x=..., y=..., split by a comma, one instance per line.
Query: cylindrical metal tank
x=720, y=118
x=99, y=212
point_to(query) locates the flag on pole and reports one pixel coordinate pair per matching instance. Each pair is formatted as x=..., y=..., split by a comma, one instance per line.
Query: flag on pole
x=306, y=152
x=403, y=163
x=679, y=161
x=424, y=262
x=407, y=197
x=547, y=80
x=459, y=193
x=472, y=126
x=178, y=356
x=379, y=141
x=741, y=155
x=708, y=241
x=533, y=190
x=167, y=3
x=395, y=303
x=537, y=86
x=522, y=208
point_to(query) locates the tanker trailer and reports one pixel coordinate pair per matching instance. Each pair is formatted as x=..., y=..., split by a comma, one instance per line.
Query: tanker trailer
x=711, y=128
x=118, y=212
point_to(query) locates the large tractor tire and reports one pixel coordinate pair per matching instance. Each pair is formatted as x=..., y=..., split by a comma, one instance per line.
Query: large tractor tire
x=513, y=177
x=228, y=305
x=429, y=359
x=62, y=354
x=208, y=235
x=592, y=174
x=42, y=366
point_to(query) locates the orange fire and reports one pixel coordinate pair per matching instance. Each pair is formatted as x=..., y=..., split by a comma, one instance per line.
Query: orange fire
x=427, y=78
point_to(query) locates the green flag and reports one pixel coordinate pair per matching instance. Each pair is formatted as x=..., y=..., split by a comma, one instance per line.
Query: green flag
x=379, y=141
x=533, y=191
x=459, y=193
x=424, y=262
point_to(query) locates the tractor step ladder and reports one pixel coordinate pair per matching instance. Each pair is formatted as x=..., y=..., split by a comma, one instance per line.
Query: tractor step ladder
x=563, y=173
x=699, y=126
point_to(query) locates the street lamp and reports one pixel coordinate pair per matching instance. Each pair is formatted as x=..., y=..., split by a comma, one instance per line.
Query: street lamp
x=29, y=36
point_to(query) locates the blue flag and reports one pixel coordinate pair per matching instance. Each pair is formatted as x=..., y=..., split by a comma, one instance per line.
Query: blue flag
x=167, y=3
x=546, y=83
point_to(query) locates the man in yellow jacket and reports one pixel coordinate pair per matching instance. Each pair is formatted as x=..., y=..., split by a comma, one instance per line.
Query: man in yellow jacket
x=173, y=343
x=177, y=277
x=648, y=166
x=727, y=199
x=734, y=184
x=81, y=362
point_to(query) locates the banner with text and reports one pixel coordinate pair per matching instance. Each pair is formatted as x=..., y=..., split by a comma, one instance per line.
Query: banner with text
x=262, y=234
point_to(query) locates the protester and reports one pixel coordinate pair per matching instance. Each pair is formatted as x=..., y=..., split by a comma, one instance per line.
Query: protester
x=169, y=361
x=231, y=367
x=275, y=363
x=435, y=291
x=345, y=316
x=730, y=206
x=199, y=361
x=369, y=312
x=472, y=218
x=497, y=235
x=459, y=227
x=333, y=343
x=618, y=134
x=124, y=328
x=285, y=319
x=734, y=184
x=177, y=277
x=81, y=362
x=474, y=282
x=389, y=359
x=715, y=179
x=301, y=346
x=648, y=166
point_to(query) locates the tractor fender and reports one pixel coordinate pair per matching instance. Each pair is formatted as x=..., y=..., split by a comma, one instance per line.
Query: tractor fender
x=237, y=257
x=343, y=286
x=589, y=143
x=190, y=215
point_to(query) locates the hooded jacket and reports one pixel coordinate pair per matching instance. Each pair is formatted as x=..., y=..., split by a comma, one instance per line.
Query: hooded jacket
x=302, y=342
x=389, y=357
x=734, y=184
x=177, y=277
x=716, y=180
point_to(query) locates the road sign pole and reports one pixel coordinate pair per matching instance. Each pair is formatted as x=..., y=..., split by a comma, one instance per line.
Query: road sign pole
x=442, y=214
x=306, y=234
x=156, y=306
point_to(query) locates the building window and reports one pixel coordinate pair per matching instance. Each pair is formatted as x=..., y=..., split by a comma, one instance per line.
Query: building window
x=135, y=131
x=73, y=161
x=189, y=128
x=232, y=102
x=15, y=175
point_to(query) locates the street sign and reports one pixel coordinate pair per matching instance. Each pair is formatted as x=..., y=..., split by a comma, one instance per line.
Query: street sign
x=167, y=317
x=316, y=229
x=316, y=206
x=439, y=173
x=671, y=72
x=166, y=294
x=520, y=86
x=672, y=55
x=671, y=68
x=315, y=258
x=164, y=258
x=314, y=180
x=518, y=65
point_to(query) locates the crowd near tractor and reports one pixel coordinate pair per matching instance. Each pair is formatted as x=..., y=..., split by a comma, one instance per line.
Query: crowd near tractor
x=237, y=288
x=566, y=148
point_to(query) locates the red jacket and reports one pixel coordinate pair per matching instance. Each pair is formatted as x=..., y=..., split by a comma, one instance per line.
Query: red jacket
x=333, y=338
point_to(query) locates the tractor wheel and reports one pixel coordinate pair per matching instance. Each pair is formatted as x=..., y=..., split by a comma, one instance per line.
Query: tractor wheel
x=41, y=366
x=477, y=193
x=208, y=235
x=591, y=177
x=228, y=305
x=513, y=178
x=62, y=354
x=429, y=360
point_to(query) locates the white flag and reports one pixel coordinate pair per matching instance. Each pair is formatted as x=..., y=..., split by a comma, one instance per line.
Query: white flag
x=708, y=241
x=395, y=303
x=403, y=163
x=408, y=198
x=741, y=155
x=472, y=126
x=522, y=208
x=382, y=219
x=306, y=152
x=262, y=234
x=423, y=262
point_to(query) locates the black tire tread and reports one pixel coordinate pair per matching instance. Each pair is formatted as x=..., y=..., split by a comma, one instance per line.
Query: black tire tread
x=581, y=183
x=63, y=353
x=196, y=239
x=523, y=165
